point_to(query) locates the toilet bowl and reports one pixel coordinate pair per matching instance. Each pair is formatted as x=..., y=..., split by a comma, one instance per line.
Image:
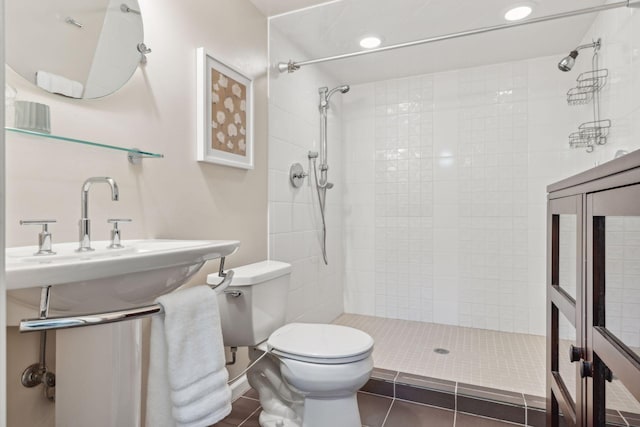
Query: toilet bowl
x=312, y=372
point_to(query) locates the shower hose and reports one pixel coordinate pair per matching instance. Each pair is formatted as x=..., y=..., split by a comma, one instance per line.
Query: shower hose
x=322, y=196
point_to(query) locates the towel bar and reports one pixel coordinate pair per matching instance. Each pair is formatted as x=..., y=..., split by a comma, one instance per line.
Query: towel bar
x=80, y=320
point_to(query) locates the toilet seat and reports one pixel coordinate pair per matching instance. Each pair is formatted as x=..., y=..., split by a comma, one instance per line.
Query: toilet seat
x=320, y=343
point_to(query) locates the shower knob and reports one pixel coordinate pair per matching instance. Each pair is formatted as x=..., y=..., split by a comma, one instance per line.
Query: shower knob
x=297, y=175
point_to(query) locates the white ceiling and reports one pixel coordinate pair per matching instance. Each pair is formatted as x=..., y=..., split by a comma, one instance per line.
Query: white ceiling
x=337, y=26
x=276, y=7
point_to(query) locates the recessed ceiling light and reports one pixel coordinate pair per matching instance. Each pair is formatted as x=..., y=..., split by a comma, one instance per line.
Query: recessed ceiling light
x=370, y=42
x=517, y=13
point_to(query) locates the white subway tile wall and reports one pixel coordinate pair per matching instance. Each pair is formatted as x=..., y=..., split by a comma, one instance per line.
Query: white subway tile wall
x=316, y=293
x=450, y=197
x=447, y=174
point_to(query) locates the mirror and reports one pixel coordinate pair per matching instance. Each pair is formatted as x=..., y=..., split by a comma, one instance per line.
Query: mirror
x=75, y=48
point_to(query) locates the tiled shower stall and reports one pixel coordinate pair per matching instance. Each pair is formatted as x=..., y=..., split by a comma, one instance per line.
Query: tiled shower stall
x=438, y=214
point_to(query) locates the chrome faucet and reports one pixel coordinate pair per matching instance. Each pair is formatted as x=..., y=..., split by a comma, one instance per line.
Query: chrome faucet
x=85, y=224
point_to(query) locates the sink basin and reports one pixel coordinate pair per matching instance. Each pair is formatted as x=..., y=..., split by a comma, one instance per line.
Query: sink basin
x=107, y=279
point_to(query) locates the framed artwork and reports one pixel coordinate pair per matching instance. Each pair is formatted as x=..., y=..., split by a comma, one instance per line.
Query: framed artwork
x=225, y=113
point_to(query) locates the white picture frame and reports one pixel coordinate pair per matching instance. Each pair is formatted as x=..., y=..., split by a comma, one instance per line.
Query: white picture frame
x=224, y=113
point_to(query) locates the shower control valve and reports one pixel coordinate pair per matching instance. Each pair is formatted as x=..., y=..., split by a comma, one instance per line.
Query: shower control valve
x=297, y=175
x=300, y=175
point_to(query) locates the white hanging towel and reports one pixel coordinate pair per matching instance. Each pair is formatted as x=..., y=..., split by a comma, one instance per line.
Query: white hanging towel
x=57, y=84
x=187, y=375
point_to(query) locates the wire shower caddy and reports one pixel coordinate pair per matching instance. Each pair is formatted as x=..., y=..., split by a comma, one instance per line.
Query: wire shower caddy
x=587, y=90
x=588, y=84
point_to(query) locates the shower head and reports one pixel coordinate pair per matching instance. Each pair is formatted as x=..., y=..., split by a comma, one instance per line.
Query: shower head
x=341, y=89
x=326, y=94
x=568, y=61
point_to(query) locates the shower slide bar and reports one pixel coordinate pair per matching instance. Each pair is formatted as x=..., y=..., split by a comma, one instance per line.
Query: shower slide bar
x=292, y=66
x=81, y=320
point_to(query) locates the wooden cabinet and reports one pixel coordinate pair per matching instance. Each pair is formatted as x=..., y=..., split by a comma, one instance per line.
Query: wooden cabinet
x=593, y=297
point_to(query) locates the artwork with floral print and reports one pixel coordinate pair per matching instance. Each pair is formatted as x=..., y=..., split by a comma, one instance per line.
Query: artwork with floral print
x=224, y=119
x=228, y=114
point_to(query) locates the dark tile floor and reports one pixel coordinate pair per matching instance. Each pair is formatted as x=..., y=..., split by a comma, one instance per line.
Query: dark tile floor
x=375, y=411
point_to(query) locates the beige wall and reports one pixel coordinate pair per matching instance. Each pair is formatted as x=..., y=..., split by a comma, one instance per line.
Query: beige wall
x=174, y=197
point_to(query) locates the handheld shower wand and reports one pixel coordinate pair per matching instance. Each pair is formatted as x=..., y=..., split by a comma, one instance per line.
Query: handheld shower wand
x=323, y=184
x=325, y=96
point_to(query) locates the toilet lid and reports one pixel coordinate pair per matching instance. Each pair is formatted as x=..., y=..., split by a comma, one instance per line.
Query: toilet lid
x=320, y=341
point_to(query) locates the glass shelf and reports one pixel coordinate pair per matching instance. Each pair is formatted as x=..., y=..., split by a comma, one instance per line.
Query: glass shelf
x=134, y=154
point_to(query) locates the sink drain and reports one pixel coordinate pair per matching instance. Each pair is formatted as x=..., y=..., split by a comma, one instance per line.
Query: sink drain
x=441, y=351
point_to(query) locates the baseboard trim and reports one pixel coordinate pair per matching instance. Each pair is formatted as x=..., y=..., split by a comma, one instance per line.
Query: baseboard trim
x=239, y=387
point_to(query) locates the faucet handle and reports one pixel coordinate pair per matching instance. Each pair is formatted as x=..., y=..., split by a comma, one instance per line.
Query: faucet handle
x=115, y=232
x=44, y=237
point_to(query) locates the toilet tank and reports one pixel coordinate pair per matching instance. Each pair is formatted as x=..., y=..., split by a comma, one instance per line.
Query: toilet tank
x=250, y=318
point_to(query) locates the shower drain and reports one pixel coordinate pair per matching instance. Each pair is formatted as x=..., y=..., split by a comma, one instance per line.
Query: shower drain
x=441, y=350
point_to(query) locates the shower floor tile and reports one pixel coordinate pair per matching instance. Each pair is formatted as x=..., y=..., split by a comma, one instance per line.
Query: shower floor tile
x=477, y=357
x=500, y=360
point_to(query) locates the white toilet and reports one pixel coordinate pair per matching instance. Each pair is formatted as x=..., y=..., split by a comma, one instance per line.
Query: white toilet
x=312, y=375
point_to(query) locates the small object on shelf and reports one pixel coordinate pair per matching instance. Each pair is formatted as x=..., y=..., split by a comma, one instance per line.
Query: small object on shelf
x=32, y=116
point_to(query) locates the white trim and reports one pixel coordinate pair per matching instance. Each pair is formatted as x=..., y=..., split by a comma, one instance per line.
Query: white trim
x=240, y=387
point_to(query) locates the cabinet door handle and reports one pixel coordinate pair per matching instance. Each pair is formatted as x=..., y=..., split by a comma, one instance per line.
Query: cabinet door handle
x=586, y=369
x=575, y=353
x=608, y=374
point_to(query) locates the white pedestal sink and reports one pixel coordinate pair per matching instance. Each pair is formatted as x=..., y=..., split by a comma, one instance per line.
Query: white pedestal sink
x=99, y=368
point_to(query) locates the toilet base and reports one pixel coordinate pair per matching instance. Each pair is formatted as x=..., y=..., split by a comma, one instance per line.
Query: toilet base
x=341, y=412
x=320, y=413
x=269, y=420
